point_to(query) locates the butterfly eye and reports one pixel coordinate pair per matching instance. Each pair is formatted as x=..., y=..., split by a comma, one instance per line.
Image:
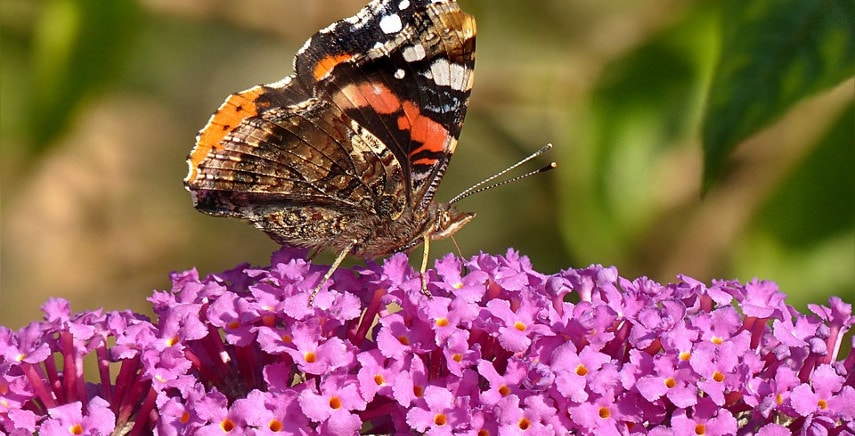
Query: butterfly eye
x=442, y=220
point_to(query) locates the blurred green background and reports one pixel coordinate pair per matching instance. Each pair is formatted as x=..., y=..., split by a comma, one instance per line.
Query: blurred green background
x=648, y=104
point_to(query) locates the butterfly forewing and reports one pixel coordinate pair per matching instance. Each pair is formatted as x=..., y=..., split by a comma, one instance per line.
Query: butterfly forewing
x=412, y=92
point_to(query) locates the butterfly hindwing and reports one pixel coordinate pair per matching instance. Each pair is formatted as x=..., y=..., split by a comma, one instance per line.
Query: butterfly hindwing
x=300, y=155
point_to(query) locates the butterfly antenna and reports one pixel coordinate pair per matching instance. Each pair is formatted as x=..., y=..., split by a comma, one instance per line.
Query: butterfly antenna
x=479, y=187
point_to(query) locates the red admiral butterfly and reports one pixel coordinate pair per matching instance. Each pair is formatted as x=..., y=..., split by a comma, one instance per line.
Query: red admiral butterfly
x=346, y=153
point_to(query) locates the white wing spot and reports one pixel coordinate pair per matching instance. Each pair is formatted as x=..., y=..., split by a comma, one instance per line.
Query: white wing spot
x=403, y=5
x=449, y=74
x=391, y=24
x=414, y=53
x=399, y=74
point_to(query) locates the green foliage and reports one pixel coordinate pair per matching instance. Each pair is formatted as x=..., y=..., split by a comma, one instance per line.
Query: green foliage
x=721, y=73
x=77, y=49
x=820, y=188
x=803, y=234
x=773, y=54
x=644, y=105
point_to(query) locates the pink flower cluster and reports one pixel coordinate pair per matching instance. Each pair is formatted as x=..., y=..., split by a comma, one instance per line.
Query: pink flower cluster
x=498, y=349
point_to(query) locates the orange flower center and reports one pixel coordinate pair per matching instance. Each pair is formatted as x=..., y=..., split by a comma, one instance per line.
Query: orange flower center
x=670, y=382
x=335, y=403
x=440, y=419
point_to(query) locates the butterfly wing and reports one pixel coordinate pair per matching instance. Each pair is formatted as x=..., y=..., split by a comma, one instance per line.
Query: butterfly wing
x=294, y=156
x=365, y=126
x=404, y=71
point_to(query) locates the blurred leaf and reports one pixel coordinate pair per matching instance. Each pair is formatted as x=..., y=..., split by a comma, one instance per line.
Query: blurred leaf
x=803, y=236
x=645, y=104
x=773, y=53
x=16, y=24
x=815, y=202
x=78, y=45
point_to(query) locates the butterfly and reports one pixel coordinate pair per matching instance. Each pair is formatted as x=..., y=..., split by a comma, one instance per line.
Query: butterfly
x=346, y=153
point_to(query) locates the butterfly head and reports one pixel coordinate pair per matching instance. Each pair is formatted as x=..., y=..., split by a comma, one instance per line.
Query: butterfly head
x=447, y=221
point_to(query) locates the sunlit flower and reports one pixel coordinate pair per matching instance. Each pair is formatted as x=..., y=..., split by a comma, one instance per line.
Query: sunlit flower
x=499, y=347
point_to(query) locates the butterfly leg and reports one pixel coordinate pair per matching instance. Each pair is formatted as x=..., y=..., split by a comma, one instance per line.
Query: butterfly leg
x=332, y=269
x=423, y=273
